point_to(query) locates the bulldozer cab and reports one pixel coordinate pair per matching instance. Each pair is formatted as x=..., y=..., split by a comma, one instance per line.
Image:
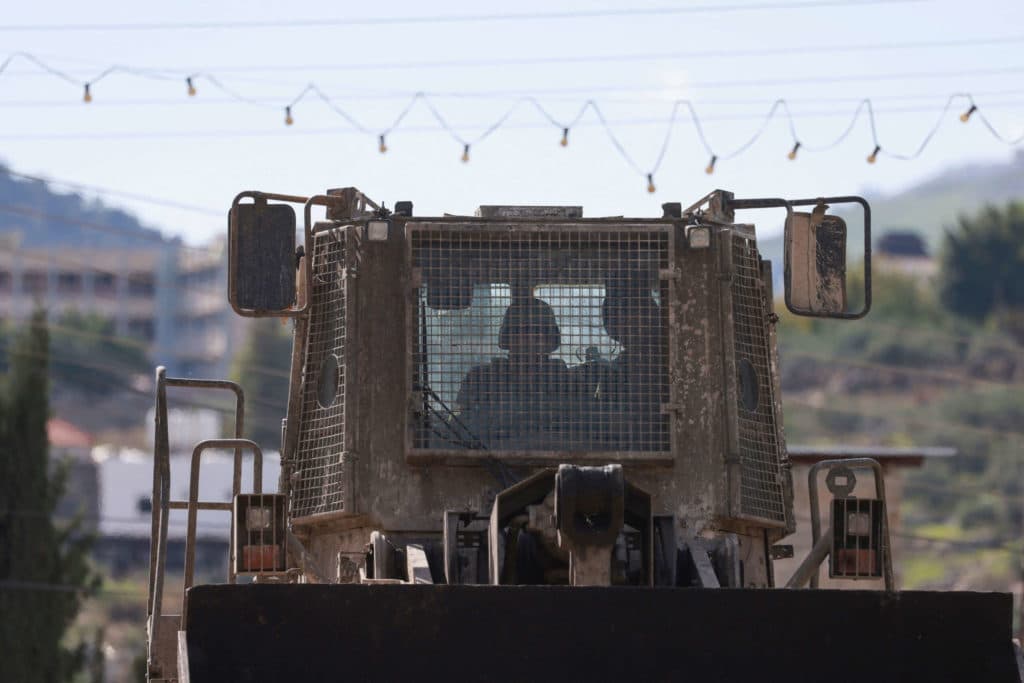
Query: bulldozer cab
x=537, y=401
x=439, y=357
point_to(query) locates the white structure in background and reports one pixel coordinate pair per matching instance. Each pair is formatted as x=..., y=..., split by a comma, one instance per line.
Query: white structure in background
x=187, y=426
x=126, y=486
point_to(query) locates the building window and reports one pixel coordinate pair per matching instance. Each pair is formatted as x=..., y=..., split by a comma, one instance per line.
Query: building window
x=104, y=284
x=69, y=283
x=141, y=328
x=141, y=284
x=5, y=281
x=33, y=282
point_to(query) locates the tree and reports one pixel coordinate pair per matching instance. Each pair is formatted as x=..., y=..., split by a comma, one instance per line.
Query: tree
x=87, y=354
x=983, y=263
x=262, y=368
x=44, y=571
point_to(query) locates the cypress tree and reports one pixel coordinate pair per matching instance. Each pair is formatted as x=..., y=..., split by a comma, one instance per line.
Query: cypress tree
x=44, y=570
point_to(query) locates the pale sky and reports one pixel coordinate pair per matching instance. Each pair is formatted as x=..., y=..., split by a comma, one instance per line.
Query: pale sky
x=148, y=137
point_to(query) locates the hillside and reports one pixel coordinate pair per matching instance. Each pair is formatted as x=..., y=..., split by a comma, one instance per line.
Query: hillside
x=42, y=216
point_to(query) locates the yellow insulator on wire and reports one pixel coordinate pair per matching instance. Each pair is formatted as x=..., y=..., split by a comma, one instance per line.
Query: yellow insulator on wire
x=711, y=165
x=383, y=146
x=465, y=154
x=873, y=157
x=650, y=183
x=792, y=153
x=966, y=116
x=288, y=120
x=564, y=142
x=87, y=95
x=191, y=87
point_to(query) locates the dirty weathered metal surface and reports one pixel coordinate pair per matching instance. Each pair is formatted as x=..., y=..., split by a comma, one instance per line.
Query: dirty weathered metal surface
x=320, y=633
x=396, y=479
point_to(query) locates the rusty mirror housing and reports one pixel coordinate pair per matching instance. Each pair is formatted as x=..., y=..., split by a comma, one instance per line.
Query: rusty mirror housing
x=817, y=276
x=816, y=260
x=261, y=258
x=262, y=254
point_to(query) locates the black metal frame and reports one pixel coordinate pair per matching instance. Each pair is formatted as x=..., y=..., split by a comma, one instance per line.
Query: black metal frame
x=788, y=204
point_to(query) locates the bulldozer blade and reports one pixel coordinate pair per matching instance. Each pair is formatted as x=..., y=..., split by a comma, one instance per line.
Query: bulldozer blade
x=290, y=632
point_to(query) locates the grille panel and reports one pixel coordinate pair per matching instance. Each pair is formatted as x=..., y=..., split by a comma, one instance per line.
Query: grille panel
x=761, y=492
x=318, y=484
x=543, y=340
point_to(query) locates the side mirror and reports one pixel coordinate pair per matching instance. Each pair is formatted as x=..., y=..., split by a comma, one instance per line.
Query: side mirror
x=816, y=256
x=816, y=276
x=261, y=258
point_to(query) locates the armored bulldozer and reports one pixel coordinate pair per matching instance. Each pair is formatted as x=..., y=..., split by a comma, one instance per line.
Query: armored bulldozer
x=530, y=444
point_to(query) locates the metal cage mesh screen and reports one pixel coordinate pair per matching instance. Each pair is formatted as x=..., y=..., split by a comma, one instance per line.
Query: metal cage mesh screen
x=761, y=493
x=547, y=339
x=316, y=480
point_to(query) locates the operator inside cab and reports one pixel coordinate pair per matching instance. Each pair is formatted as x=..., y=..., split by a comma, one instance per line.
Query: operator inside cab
x=530, y=400
x=515, y=402
x=636, y=382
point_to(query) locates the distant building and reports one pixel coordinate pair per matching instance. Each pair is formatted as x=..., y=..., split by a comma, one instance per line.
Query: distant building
x=904, y=252
x=125, y=506
x=170, y=297
x=206, y=329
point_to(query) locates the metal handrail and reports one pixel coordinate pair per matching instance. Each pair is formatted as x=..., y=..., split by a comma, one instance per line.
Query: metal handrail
x=193, y=496
x=194, y=505
x=816, y=535
x=161, y=502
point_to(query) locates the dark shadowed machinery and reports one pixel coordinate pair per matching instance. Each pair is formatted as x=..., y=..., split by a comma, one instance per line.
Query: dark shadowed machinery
x=529, y=444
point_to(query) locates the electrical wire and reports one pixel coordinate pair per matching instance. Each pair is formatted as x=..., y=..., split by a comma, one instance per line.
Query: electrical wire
x=130, y=388
x=905, y=419
x=780, y=107
x=165, y=73
x=331, y=22
x=30, y=212
x=135, y=196
x=987, y=544
x=788, y=401
x=897, y=369
x=919, y=372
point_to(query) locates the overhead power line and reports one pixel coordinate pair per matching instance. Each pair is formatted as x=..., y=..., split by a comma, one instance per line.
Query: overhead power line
x=715, y=53
x=904, y=420
x=930, y=373
x=681, y=108
x=149, y=199
x=30, y=212
x=177, y=72
x=554, y=15
x=658, y=94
